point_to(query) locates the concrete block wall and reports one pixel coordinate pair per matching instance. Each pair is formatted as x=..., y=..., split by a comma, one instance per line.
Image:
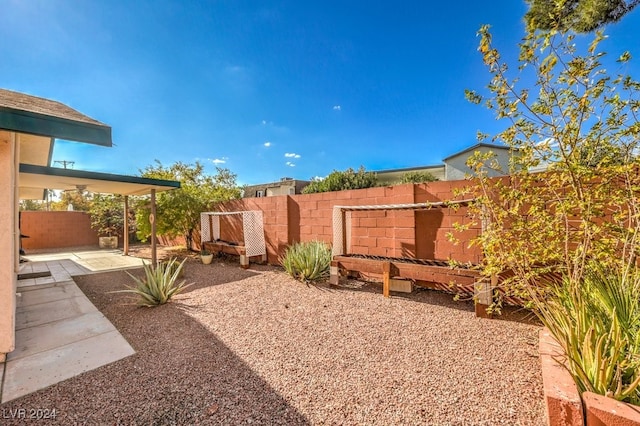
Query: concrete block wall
x=392, y=233
x=56, y=229
x=275, y=216
x=292, y=218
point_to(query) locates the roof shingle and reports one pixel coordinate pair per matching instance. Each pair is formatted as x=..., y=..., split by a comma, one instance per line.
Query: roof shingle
x=34, y=104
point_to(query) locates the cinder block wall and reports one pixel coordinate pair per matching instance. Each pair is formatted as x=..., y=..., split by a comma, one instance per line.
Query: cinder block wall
x=277, y=226
x=56, y=229
x=292, y=218
x=423, y=234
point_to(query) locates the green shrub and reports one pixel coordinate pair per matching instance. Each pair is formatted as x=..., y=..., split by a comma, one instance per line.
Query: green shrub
x=338, y=181
x=107, y=214
x=173, y=266
x=418, y=177
x=597, y=323
x=159, y=284
x=307, y=261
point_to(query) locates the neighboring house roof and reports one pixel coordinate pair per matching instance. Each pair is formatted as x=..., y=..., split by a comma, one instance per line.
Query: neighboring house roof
x=476, y=146
x=250, y=190
x=410, y=169
x=438, y=170
x=281, y=182
x=39, y=116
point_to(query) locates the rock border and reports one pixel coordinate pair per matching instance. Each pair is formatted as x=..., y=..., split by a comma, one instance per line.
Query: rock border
x=564, y=406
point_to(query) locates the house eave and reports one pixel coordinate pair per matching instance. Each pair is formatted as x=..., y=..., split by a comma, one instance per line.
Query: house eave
x=56, y=127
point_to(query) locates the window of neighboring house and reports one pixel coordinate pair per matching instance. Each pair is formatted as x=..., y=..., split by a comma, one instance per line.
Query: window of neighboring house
x=292, y=190
x=260, y=193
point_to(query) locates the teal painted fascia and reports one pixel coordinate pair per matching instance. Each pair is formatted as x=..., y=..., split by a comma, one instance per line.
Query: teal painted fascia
x=82, y=174
x=55, y=127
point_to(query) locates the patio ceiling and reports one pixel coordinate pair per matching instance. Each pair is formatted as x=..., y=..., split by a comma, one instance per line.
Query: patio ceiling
x=35, y=179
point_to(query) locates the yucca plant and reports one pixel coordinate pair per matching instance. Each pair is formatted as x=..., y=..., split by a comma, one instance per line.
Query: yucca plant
x=307, y=261
x=597, y=323
x=159, y=284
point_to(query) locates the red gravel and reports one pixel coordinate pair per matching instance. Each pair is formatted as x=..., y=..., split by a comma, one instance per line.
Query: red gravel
x=254, y=346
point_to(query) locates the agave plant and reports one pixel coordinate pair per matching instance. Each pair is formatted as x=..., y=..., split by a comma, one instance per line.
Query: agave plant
x=159, y=284
x=307, y=261
x=597, y=322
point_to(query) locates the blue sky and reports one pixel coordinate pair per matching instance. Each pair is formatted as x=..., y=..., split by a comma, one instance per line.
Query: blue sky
x=266, y=89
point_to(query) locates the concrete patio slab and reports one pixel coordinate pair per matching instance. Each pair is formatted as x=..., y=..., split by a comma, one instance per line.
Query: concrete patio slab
x=59, y=332
x=110, y=263
x=34, y=315
x=28, y=374
x=44, y=337
x=91, y=254
x=86, y=261
x=39, y=294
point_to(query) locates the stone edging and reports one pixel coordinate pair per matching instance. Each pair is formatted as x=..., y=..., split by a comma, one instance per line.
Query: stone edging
x=563, y=403
x=561, y=396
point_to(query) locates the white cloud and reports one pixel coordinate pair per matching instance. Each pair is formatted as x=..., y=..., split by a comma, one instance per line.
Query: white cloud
x=290, y=164
x=337, y=107
x=263, y=122
x=292, y=155
x=267, y=144
x=217, y=161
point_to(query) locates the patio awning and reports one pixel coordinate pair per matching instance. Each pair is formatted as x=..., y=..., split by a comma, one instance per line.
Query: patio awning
x=37, y=123
x=35, y=179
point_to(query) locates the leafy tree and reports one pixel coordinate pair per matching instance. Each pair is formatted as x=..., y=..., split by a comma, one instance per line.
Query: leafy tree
x=338, y=181
x=417, y=177
x=107, y=214
x=583, y=124
x=32, y=205
x=579, y=219
x=581, y=16
x=178, y=210
x=80, y=200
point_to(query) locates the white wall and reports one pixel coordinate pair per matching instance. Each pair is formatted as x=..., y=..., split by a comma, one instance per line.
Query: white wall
x=456, y=167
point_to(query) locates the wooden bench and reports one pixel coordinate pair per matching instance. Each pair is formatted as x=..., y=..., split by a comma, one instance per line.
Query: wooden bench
x=233, y=249
x=429, y=273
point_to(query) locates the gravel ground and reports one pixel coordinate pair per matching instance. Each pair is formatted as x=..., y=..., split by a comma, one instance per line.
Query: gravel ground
x=254, y=346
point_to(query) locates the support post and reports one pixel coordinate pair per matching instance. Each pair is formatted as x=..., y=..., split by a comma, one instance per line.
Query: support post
x=334, y=277
x=125, y=232
x=483, y=289
x=483, y=296
x=386, y=276
x=152, y=219
x=345, y=249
